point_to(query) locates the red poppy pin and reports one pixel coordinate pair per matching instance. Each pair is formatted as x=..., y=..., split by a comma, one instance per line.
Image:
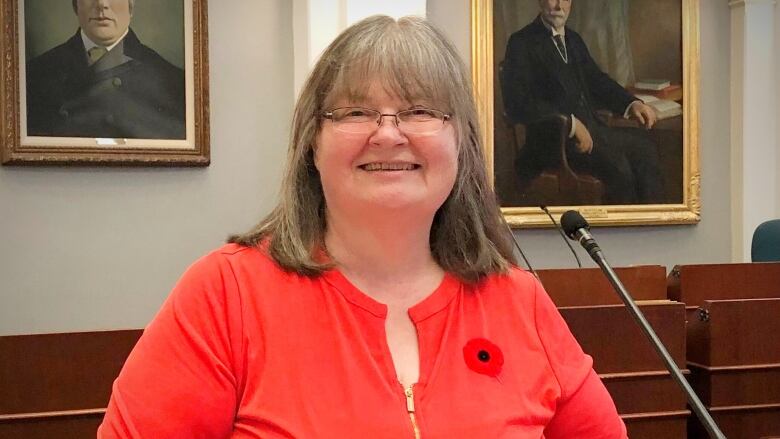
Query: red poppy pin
x=482, y=356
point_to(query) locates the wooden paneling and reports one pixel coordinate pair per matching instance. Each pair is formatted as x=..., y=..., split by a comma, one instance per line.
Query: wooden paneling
x=58, y=385
x=693, y=284
x=733, y=344
x=50, y=427
x=737, y=385
x=649, y=401
x=741, y=422
x=589, y=286
x=736, y=332
x=616, y=342
x=645, y=392
x=671, y=425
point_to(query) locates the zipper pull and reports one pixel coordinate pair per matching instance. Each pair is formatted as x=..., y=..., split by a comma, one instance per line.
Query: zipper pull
x=409, y=399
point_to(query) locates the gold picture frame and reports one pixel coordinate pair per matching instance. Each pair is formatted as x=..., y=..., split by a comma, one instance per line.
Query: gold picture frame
x=685, y=209
x=178, y=44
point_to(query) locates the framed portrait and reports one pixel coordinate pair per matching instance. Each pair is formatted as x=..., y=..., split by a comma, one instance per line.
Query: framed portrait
x=119, y=82
x=592, y=106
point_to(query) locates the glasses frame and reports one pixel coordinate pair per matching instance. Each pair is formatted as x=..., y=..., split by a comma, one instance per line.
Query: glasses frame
x=380, y=116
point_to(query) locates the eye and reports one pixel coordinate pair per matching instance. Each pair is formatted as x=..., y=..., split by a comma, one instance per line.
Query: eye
x=356, y=112
x=353, y=114
x=420, y=114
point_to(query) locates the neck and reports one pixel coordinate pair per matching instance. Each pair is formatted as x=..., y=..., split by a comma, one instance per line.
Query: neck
x=372, y=250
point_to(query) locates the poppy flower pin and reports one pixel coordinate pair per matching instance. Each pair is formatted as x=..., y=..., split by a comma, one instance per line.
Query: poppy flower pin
x=483, y=357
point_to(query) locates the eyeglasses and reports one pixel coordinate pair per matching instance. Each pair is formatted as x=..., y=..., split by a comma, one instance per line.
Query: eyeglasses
x=356, y=120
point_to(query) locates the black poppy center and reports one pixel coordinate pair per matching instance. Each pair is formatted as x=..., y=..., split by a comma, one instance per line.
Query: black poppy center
x=484, y=356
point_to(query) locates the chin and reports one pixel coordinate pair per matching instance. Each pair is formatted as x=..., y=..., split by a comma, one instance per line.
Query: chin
x=557, y=22
x=423, y=204
x=104, y=39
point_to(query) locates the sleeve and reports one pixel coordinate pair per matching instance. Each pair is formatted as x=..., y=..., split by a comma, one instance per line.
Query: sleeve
x=180, y=380
x=604, y=90
x=584, y=408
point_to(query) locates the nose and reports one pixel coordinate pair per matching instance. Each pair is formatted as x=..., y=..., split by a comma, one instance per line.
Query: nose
x=388, y=133
x=102, y=4
x=382, y=119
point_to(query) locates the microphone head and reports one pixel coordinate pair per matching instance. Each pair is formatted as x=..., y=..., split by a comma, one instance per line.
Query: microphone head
x=571, y=221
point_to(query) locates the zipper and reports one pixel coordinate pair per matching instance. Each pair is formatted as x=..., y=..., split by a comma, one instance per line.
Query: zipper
x=410, y=409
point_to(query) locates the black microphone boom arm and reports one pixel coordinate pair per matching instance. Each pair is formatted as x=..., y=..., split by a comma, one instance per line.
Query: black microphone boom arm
x=576, y=228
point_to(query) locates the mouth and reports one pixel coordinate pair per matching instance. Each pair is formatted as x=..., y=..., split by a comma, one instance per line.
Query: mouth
x=101, y=20
x=381, y=166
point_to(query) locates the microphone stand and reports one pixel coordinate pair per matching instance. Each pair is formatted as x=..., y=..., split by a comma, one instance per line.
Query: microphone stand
x=696, y=404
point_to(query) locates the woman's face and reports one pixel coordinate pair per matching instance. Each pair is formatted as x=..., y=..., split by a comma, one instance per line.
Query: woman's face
x=386, y=169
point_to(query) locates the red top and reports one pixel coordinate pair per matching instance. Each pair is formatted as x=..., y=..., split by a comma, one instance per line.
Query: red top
x=243, y=349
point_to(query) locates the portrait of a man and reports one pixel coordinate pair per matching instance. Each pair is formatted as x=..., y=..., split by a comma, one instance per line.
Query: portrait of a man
x=104, y=82
x=548, y=80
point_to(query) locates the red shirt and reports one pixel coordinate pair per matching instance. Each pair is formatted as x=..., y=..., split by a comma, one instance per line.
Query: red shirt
x=243, y=349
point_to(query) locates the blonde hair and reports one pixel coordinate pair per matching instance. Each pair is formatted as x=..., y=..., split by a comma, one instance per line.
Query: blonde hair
x=412, y=60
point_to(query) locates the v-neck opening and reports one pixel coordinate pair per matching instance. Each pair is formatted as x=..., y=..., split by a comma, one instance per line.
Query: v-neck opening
x=434, y=302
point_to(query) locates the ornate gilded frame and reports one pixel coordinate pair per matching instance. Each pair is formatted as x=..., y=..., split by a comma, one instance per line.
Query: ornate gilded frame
x=687, y=212
x=18, y=149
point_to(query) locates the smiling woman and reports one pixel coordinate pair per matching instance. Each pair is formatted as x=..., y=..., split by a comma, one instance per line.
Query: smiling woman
x=387, y=165
x=380, y=298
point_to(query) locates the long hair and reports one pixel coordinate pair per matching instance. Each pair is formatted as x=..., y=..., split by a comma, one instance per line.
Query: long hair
x=412, y=60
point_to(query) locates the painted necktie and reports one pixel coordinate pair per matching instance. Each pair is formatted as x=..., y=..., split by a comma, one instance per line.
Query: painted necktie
x=561, y=47
x=95, y=53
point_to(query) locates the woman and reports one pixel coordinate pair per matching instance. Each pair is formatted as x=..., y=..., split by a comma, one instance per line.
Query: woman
x=380, y=298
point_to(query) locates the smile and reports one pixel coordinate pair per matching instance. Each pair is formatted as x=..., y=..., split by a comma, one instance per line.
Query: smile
x=389, y=166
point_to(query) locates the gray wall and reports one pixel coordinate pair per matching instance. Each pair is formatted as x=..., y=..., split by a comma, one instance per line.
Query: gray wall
x=707, y=242
x=100, y=248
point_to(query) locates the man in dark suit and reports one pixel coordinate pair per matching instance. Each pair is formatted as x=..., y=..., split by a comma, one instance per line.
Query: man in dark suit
x=103, y=82
x=548, y=70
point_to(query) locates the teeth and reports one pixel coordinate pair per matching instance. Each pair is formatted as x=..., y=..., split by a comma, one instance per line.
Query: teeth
x=389, y=167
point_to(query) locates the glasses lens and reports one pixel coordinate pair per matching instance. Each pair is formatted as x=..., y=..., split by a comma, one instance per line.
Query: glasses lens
x=420, y=120
x=364, y=120
x=354, y=119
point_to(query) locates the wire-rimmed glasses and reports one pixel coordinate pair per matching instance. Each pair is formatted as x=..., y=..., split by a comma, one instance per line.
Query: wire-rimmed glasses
x=357, y=120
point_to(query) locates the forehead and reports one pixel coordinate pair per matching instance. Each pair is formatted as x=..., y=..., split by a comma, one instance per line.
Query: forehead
x=375, y=94
x=352, y=88
x=404, y=61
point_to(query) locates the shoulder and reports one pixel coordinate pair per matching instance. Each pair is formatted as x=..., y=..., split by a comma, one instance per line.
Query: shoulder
x=532, y=31
x=59, y=56
x=134, y=48
x=232, y=258
x=515, y=278
x=225, y=279
x=516, y=289
x=521, y=37
x=574, y=37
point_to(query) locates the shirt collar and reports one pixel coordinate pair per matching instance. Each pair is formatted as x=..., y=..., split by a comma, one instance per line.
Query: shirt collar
x=88, y=43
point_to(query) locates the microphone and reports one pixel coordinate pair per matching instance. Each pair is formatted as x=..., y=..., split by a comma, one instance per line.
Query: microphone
x=544, y=208
x=578, y=229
